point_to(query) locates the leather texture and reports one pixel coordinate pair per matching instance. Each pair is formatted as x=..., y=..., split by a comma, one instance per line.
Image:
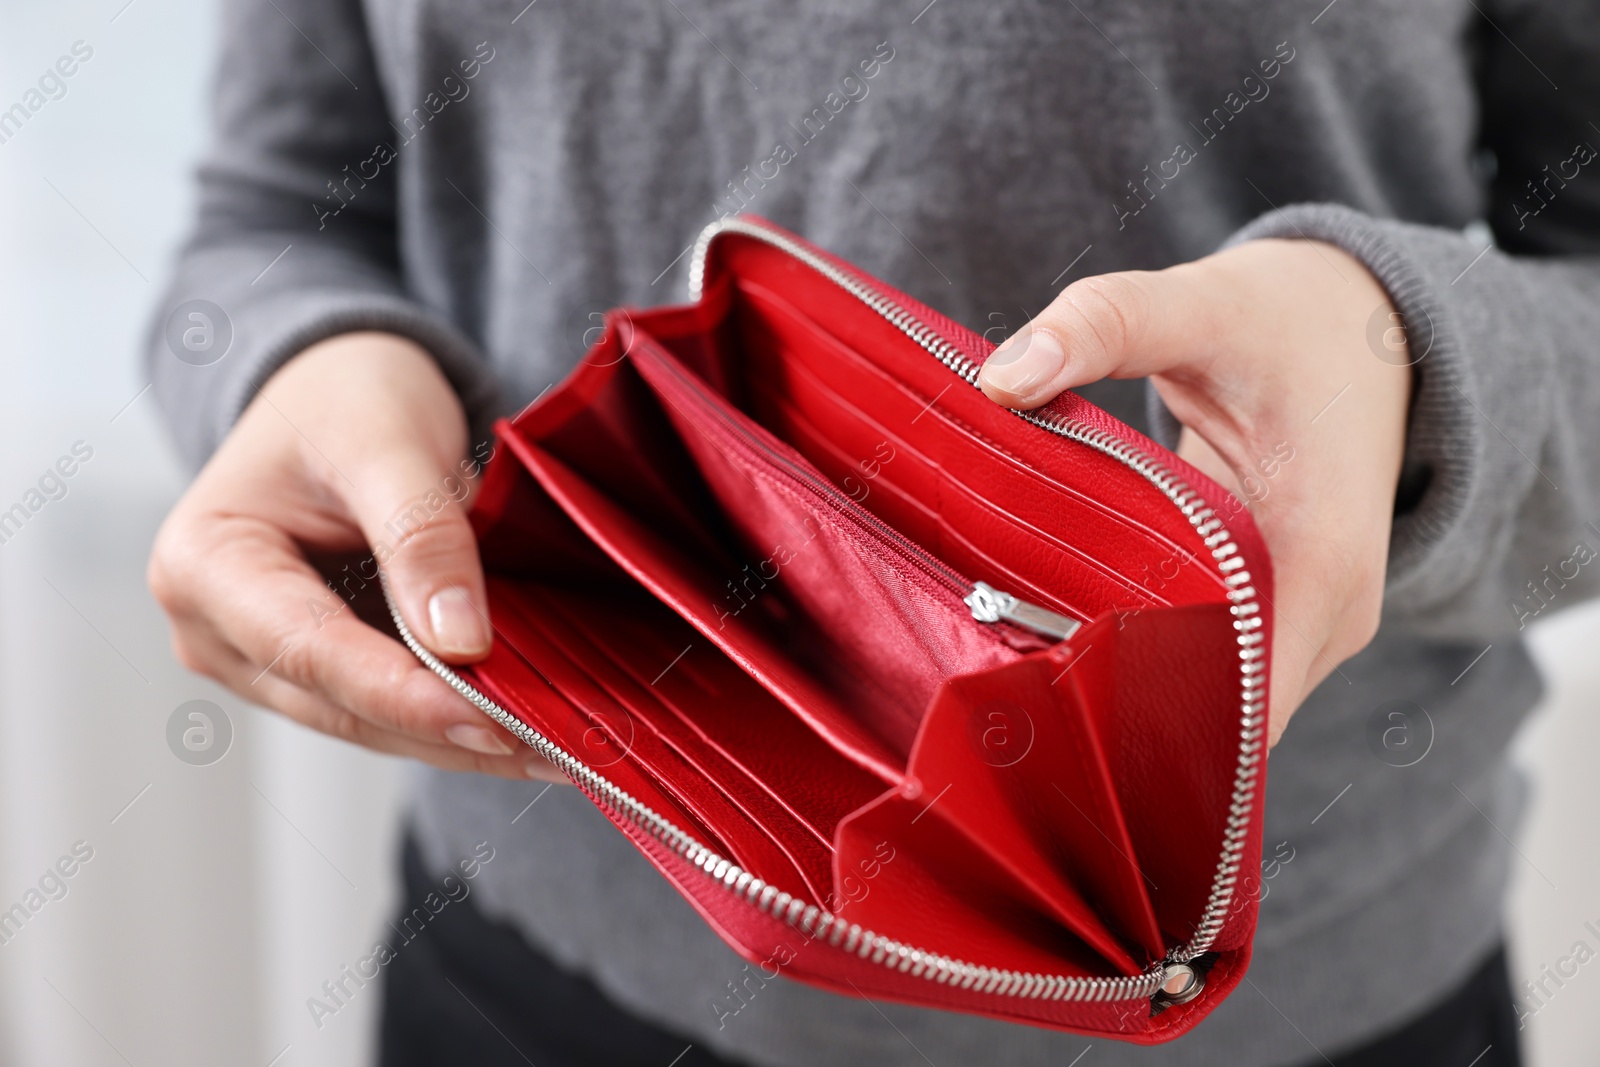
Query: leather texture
x=726, y=561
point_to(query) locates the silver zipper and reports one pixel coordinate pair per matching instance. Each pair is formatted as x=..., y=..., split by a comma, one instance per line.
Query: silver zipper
x=819, y=924
x=990, y=605
x=809, y=919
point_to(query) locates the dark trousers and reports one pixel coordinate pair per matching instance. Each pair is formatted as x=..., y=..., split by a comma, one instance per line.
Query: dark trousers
x=470, y=990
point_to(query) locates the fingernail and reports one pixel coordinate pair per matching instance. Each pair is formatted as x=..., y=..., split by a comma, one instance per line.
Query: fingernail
x=478, y=739
x=457, y=625
x=1027, y=360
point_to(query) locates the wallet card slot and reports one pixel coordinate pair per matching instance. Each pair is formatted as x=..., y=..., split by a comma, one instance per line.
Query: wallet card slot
x=508, y=678
x=801, y=788
x=956, y=521
x=683, y=583
x=791, y=355
x=889, y=621
x=730, y=715
x=619, y=732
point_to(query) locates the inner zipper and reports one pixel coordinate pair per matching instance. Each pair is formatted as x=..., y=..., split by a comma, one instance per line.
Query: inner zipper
x=985, y=603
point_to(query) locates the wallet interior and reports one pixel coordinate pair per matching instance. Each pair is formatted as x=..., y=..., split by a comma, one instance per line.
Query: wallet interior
x=727, y=571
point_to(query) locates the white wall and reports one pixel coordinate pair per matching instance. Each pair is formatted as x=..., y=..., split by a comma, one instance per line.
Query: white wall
x=1557, y=881
x=224, y=895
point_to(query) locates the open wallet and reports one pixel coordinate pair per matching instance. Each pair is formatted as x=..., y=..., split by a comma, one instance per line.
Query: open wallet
x=910, y=695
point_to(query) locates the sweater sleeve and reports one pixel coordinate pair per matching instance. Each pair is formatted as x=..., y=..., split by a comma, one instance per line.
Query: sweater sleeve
x=1502, y=446
x=296, y=238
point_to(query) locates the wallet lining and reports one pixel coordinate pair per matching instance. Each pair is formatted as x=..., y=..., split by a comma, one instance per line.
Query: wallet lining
x=719, y=501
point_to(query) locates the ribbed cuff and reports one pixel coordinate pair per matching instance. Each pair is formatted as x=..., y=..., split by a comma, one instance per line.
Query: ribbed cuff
x=1445, y=438
x=206, y=401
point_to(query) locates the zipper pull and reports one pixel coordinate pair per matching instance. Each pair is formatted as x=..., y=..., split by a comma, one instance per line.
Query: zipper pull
x=989, y=604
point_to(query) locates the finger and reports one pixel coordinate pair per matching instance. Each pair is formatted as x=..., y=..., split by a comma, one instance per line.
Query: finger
x=399, y=475
x=311, y=710
x=1199, y=453
x=320, y=714
x=279, y=615
x=1300, y=660
x=200, y=649
x=1126, y=325
x=415, y=506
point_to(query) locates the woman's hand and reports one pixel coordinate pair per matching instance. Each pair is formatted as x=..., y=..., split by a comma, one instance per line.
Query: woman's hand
x=1262, y=353
x=358, y=442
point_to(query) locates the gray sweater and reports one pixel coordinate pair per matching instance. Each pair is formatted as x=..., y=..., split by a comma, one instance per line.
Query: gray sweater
x=484, y=176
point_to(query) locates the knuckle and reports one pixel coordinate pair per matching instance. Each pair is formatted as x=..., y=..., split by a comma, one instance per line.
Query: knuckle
x=347, y=727
x=1364, y=611
x=489, y=764
x=169, y=571
x=1110, y=309
x=1368, y=617
x=158, y=578
x=296, y=661
x=444, y=544
x=190, y=658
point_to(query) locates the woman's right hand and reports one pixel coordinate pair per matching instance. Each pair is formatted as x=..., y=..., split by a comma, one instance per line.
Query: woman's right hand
x=354, y=433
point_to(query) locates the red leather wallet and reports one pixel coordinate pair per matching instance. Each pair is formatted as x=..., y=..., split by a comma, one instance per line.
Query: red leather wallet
x=910, y=695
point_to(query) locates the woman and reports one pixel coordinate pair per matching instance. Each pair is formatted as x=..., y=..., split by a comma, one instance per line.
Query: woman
x=413, y=213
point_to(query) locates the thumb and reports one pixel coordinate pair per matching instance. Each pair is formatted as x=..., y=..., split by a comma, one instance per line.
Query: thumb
x=415, y=518
x=1131, y=324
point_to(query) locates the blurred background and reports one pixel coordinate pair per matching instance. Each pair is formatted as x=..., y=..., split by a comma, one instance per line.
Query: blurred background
x=220, y=893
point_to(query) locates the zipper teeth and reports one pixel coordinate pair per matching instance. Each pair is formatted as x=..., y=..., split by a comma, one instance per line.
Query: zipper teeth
x=819, y=924
x=1247, y=621
x=809, y=919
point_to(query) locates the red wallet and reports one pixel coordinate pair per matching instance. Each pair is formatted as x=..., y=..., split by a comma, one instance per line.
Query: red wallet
x=912, y=696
